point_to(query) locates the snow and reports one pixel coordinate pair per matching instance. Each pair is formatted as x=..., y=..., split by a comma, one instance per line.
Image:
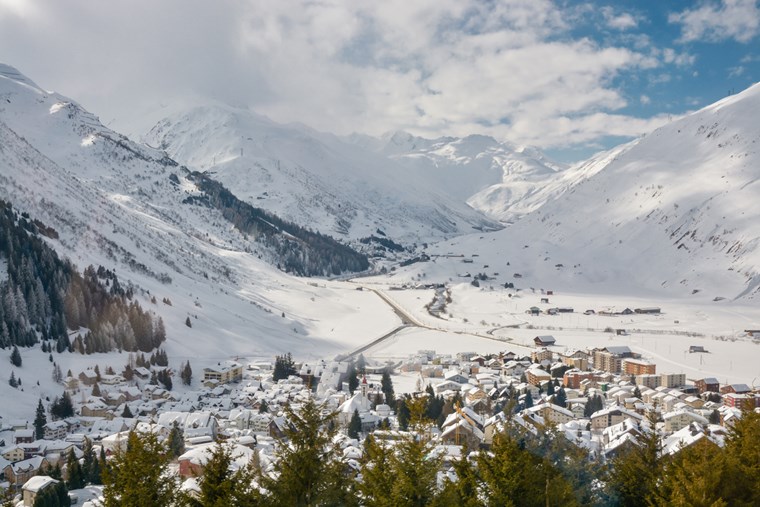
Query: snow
x=113, y=205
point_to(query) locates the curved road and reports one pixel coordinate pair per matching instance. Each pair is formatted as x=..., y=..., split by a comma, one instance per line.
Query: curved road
x=409, y=320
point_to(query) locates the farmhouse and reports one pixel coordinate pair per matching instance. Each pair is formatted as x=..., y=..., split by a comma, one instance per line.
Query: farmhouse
x=652, y=310
x=544, y=341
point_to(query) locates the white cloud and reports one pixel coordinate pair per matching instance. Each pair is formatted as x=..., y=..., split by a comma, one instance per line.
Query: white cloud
x=670, y=55
x=736, y=71
x=618, y=21
x=644, y=99
x=434, y=67
x=717, y=21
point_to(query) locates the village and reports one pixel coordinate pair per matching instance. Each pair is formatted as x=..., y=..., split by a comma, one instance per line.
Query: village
x=600, y=399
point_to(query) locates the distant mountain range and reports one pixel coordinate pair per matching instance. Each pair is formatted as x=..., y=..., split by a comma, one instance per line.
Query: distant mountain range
x=676, y=211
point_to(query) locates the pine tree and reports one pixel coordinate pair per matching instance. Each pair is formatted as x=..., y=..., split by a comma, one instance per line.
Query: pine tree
x=309, y=469
x=138, y=476
x=40, y=420
x=361, y=365
x=698, y=475
x=188, y=323
x=378, y=473
x=402, y=414
x=12, y=381
x=528, y=399
x=355, y=425
x=465, y=489
x=219, y=485
x=176, y=441
x=637, y=392
x=353, y=379
x=186, y=373
x=263, y=407
x=560, y=397
x=635, y=473
x=127, y=413
x=415, y=466
x=16, y=357
x=96, y=390
x=386, y=385
x=284, y=367
x=76, y=478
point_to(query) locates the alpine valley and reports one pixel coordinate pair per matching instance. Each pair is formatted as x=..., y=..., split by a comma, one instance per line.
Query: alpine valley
x=250, y=238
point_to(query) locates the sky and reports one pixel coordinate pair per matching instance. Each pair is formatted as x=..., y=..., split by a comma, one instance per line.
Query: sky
x=568, y=77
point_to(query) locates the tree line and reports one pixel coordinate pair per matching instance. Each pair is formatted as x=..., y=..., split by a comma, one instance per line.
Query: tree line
x=297, y=250
x=43, y=296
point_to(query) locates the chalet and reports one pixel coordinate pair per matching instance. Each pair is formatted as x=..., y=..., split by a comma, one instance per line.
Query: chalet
x=754, y=333
x=194, y=424
x=459, y=430
x=652, y=310
x=679, y=419
x=193, y=462
x=23, y=436
x=696, y=348
x=455, y=376
x=612, y=415
x=13, y=453
x=35, y=486
x=88, y=378
x=552, y=413
x=565, y=309
x=142, y=373
x=544, y=341
x=707, y=384
x=534, y=310
x=545, y=301
x=20, y=472
x=447, y=386
x=735, y=388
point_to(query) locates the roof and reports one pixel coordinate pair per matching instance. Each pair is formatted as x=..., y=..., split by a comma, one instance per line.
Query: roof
x=38, y=483
x=545, y=339
x=618, y=349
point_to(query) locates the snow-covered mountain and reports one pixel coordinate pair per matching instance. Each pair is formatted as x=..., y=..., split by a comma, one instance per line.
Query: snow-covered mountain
x=675, y=212
x=122, y=205
x=313, y=178
x=502, y=181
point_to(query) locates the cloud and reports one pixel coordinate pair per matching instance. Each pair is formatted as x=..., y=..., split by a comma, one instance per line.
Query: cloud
x=433, y=67
x=715, y=22
x=736, y=71
x=622, y=21
x=670, y=55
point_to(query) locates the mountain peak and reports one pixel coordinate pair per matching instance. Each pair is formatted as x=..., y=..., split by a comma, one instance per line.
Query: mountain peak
x=10, y=73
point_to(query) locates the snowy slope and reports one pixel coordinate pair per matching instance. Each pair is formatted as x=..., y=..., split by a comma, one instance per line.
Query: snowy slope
x=113, y=204
x=312, y=178
x=675, y=212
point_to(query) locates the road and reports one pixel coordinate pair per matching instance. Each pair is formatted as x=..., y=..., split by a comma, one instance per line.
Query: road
x=408, y=320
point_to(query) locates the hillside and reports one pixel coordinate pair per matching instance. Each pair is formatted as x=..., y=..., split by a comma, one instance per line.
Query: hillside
x=125, y=206
x=675, y=212
x=336, y=187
